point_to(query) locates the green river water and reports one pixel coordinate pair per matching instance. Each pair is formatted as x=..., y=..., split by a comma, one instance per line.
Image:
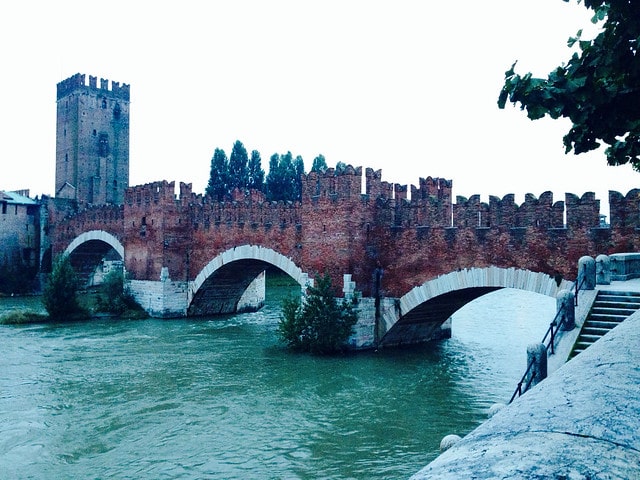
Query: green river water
x=219, y=398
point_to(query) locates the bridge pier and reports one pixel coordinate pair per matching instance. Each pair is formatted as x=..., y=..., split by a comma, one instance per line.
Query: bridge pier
x=170, y=299
x=161, y=299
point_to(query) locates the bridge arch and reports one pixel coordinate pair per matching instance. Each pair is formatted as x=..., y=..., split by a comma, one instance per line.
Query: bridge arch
x=251, y=260
x=419, y=314
x=94, y=253
x=93, y=235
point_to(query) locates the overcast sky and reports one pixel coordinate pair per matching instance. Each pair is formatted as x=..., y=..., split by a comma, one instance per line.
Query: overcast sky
x=409, y=87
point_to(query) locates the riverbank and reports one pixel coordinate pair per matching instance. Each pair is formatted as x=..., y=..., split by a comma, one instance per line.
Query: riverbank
x=29, y=309
x=580, y=423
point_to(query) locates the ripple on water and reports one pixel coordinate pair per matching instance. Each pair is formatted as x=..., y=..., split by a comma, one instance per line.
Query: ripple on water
x=221, y=399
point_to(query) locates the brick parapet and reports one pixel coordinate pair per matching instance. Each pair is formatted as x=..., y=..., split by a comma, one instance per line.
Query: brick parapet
x=582, y=211
x=625, y=209
x=337, y=228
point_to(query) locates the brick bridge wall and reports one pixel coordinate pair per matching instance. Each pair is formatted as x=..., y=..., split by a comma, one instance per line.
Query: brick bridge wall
x=338, y=229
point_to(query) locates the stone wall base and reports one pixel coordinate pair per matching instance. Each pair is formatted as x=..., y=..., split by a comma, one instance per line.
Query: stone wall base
x=161, y=299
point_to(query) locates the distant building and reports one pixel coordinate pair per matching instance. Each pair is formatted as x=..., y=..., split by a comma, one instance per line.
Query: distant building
x=92, y=141
x=19, y=229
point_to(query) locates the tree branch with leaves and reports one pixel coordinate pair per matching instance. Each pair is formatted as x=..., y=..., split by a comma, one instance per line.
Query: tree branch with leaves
x=598, y=89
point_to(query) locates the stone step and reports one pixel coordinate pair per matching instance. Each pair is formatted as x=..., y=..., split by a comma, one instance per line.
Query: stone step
x=589, y=338
x=582, y=345
x=604, y=310
x=618, y=293
x=591, y=330
x=617, y=305
x=600, y=324
x=607, y=317
x=609, y=309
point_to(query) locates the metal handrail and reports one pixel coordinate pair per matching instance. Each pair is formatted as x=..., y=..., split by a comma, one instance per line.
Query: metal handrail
x=552, y=331
x=519, y=391
x=578, y=287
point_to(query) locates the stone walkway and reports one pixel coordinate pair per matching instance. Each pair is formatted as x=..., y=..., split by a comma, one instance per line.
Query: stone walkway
x=583, y=422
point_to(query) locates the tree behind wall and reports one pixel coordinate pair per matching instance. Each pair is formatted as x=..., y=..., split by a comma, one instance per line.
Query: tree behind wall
x=238, y=167
x=218, y=185
x=284, y=181
x=256, y=173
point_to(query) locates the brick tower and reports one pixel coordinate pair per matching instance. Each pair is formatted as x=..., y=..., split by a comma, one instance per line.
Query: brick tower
x=92, y=140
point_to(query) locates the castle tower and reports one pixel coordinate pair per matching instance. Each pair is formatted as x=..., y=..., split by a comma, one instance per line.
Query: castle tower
x=92, y=140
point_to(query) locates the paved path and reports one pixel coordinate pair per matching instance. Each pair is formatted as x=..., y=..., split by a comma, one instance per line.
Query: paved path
x=583, y=422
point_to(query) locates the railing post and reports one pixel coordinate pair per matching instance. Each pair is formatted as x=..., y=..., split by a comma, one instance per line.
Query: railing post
x=537, y=355
x=565, y=304
x=586, y=273
x=603, y=270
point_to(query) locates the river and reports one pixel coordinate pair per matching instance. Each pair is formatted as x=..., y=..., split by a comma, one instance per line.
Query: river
x=214, y=398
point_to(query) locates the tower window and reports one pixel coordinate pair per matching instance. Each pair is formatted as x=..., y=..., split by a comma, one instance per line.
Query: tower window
x=103, y=145
x=94, y=132
x=104, y=103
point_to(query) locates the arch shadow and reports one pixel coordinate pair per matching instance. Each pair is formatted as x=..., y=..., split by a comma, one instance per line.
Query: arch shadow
x=89, y=250
x=234, y=271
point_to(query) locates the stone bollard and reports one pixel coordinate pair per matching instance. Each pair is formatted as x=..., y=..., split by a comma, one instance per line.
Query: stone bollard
x=449, y=441
x=537, y=353
x=603, y=270
x=565, y=303
x=495, y=408
x=586, y=273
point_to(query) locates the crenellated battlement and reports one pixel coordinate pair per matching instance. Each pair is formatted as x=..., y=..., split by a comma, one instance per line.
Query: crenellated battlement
x=343, y=184
x=625, y=209
x=155, y=192
x=430, y=204
x=533, y=212
x=78, y=82
x=343, y=225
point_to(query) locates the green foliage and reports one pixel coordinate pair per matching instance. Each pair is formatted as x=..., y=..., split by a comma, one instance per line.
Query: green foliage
x=116, y=298
x=284, y=181
x=321, y=325
x=237, y=172
x=21, y=317
x=218, y=186
x=319, y=164
x=17, y=278
x=256, y=173
x=60, y=296
x=598, y=89
x=298, y=171
x=238, y=167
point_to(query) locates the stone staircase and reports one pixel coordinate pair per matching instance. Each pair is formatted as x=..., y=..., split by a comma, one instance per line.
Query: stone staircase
x=608, y=310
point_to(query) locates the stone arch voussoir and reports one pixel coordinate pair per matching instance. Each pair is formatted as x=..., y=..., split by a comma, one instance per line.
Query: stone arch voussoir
x=480, y=277
x=101, y=235
x=249, y=252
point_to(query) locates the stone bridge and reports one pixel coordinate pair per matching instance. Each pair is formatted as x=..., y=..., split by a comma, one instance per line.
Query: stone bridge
x=410, y=262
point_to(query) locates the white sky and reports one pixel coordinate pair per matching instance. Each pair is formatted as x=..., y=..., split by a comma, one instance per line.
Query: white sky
x=409, y=87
